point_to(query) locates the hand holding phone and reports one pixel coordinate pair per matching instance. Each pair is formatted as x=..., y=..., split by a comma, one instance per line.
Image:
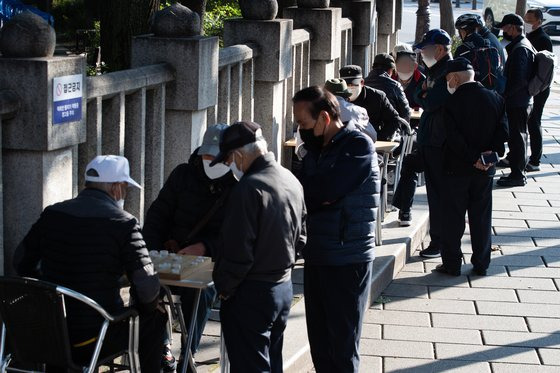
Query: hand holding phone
x=489, y=158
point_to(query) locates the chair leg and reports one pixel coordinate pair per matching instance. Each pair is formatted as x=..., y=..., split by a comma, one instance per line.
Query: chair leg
x=93, y=363
x=133, y=336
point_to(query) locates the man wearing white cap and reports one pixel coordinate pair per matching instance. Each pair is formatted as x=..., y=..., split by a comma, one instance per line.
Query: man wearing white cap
x=86, y=244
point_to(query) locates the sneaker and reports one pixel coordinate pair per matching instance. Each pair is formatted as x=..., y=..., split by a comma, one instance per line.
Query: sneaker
x=443, y=269
x=405, y=219
x=532, y=167
x=503, y=163
x=168, y=362
x=511, y=182
x=430, y=252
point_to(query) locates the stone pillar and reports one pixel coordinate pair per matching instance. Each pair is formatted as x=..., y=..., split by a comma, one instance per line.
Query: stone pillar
x=187, y=99
x=38, y=143
x=324, y=24
x=387, y=25
x=273, y=64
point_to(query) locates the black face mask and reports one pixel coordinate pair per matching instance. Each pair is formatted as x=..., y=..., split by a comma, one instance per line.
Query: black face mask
x=507, y=37
x=312, y=142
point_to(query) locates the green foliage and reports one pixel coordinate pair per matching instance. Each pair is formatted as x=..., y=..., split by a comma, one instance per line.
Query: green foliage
x=69, y=16
x=216, y=14
x=455, y=42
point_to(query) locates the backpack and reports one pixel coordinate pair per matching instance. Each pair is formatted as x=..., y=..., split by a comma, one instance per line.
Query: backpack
x=543, y=70
x=487, y=66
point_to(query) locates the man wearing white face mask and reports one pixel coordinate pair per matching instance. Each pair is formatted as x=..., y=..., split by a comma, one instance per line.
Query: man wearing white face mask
x=263, y=230
x=407, y=72
x=187, y=216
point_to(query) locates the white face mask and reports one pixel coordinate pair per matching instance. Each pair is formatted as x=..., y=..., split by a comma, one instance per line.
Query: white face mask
x=429, y=60
x=356, y=90
x=215, y=172
x=120, y=202
x=404, y=76
x=237, y=173
x=449, y=89
x=528, y=27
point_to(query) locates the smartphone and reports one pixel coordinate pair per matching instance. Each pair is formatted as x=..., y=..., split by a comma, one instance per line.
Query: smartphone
x=491, y=158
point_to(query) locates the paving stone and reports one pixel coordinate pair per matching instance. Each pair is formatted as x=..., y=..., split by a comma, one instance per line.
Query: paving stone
x=537, y=296
x=414, y=267
x=390, y=348
x=512, y=240
x=552, y=261
x=531, y=250
x=543, y=224
x=513, y=283
x=371, y=331
x=416, y=333
x=524, y=201
x=524, y=215
x=516, y=368
x=397, y=318
x=509, y=223
x=486, y=353
x=430, y=305
x=406, y=290
x=479, y=322
x=458, y=293
x=503, y=205
x=513, y=260
x=521, y=339
x=436, y=279
x=371, y=364
x=547, y=242
x=550, y=356
x=518, y=309
x=432, y=366
x=535, y=272
x=543, y=325
x=544, y=209
x=528, y=232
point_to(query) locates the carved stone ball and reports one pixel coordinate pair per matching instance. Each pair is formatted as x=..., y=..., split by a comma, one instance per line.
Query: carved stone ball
x=176, y=21
x=260, y=10
x=27, y=35
x=313, y=3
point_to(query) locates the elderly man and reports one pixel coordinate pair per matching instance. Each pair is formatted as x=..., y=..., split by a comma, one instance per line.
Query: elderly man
x=340, y=178
x=407, y=72
x=471, y=137
x=186, y=217
x=264, y=228
x=86, y=244
x=518, y=72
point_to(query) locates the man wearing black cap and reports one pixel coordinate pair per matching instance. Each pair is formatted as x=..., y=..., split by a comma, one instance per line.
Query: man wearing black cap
x=518, y=71
x=382, y=115
x=380, y=78
x=472, y=137
x=263, y=229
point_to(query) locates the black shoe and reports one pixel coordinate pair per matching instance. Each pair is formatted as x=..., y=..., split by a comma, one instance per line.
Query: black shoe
x=503, y=163
x=430, y=252
x=532, y=167
x=479, y=271
x=512, y=182
x=168, y=362
x=442, y=269
x=405, y=219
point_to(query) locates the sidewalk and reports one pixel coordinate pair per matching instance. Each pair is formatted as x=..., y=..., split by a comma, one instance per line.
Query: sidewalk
x=508, y=321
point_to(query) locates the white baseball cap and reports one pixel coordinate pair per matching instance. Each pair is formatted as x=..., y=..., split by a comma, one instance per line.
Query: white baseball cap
x=110, y=169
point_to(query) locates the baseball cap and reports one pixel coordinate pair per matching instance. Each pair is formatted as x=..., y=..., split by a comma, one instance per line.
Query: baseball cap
x=433, y=37
x=384, y=60
x=338, y=87
x=458, y=64
x=110, y=169
x=211, y=140
x=235, y=136
x=352, y=74
x=510, y=19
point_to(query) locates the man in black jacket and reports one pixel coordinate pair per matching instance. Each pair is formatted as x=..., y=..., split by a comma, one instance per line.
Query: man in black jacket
x=87, y=244
x=380, y=78
x=186, y=218
x=541, y=42
x=470, y=134
x=518, y=71
x=384, y=118
x=263, y=230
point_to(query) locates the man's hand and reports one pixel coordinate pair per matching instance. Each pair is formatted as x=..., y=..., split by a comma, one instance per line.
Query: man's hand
x=198, y=249
x=479, y=166
x=171, y=246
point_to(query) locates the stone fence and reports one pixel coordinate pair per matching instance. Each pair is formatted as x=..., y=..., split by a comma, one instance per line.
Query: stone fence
x=55, y=119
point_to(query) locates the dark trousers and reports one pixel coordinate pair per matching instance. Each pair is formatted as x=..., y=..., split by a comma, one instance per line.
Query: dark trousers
x=472, y=194
x=335, y=303
x=517, y=141
x=150, y=348
x=403, y=198
x=253, y=323
x=534, y=126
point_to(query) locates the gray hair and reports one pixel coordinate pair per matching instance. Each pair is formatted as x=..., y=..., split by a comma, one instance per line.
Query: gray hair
x=259, y=147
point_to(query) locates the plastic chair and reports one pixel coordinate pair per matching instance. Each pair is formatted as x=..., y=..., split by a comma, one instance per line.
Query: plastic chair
x=34, y=324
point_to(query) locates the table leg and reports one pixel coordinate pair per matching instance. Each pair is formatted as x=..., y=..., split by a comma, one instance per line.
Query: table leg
x=187, y=354
x=224, y=360
x=384, y=192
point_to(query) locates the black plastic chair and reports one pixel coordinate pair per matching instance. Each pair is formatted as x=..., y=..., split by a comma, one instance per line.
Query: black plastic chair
x=34, y=323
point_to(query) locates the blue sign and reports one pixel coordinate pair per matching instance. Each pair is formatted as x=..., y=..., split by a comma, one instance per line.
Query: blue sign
x=67, y=111
x=67, y=99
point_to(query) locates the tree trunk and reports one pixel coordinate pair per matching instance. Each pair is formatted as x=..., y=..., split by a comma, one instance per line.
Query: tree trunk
x=422, y=19
x=120, y=21
x=447, y=22
x=198, y=6
x=521, y=7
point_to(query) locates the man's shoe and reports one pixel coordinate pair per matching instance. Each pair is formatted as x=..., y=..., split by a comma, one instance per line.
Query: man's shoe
x=479, y=271
x=503, y=163
x=430, y=252
x=168, y=362
x=532, y=167
x=512, y=182
x=442, y=269
x=405, y=219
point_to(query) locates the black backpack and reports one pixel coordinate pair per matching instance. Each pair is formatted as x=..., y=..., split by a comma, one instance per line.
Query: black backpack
x=543, y=70
x=487, y=65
